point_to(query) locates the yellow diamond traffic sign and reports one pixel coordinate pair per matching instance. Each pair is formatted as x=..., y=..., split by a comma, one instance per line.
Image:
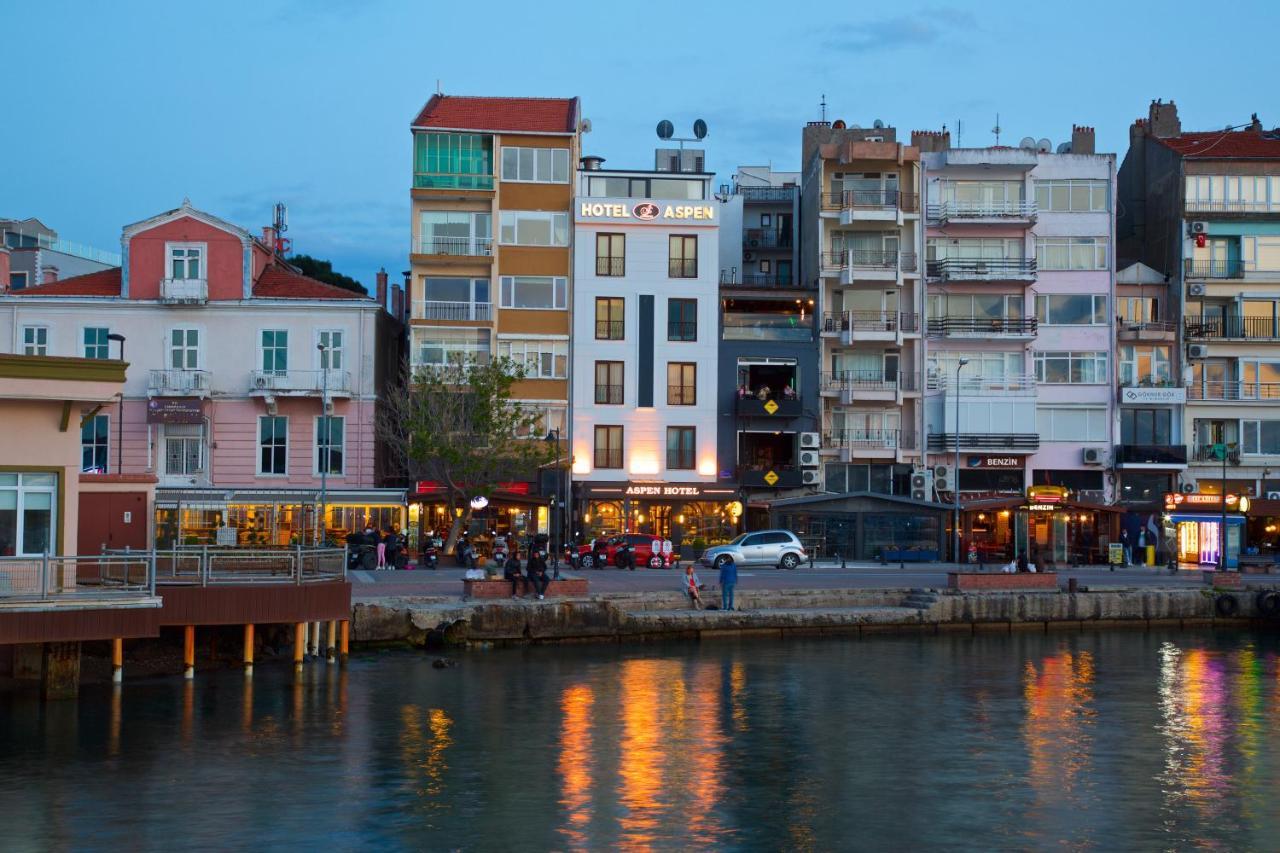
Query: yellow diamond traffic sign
x=771, y=407
x=771, y=477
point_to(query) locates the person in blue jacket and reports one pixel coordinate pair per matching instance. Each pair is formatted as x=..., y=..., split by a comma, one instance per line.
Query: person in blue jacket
x=728, y=580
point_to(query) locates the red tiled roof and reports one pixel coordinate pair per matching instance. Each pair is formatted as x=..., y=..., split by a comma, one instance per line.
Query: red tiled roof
x=280, y=282
x=100, y=283
x=1223, y=143
x=529, y=115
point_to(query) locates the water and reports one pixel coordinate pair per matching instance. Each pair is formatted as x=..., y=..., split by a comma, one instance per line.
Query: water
x=1097, y=741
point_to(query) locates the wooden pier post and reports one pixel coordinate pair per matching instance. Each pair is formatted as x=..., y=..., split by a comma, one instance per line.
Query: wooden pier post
x=331, y=646
x=299, y=644
x=248, y=649
x=343, y=637
x=117, y=659
x=189, y=651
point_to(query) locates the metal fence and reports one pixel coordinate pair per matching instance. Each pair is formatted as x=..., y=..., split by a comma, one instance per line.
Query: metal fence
x=213, y=566
x=52, y=577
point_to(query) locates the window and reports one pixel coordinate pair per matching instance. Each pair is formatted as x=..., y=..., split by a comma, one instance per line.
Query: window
x=275, y=352
x=680, y=448
x=1072, y=423
x=766, y=220
x=96, y=343
x=609, y=383
x=682, y=383
x=185, y=261
x=1137, y=310
x=534, y=228
x=608, y=447
x=1261, y=437
x=1071, y=253
x=28, y=513
x=543, y=359
x=1146, y=366
x=974, y=248
x=17, y=280
x=683, y=256
x=1072, y=309
x=455, y=232
x=1071, y=368
x=330, y=445
x=534, y=291
x=537, y=165
x=982, y=306
x=95, y=441
x=184, y=454
x=1232, y=192
x=1146, y=426
x=332, y=356
x=437, y=347
x=674, y=189
x=1072, y=196
x=682, y=319
x=273, y=445
x=983, y=367
x=609, y=324
x=35, y=340
x=611, y=254
x=184, y=349
x=453, y=161
x=448, y=298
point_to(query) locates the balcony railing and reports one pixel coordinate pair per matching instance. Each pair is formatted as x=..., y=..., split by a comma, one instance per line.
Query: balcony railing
x=869, y=380
x=1214, y=269
x=1007, y=384
x=1150, y=454
x=773, y=406
x=767, y=194
x=465, y=246
x=610, y=330
x=434, y=309
x=770, y=476
x=870, y=259
x=184, y=290
x=870, y=321
x=764, y=238
x=677, y=268
x=682, y=395
x=682, y=330
x=985, y=441
x=870, y=439
x=982, y=210
x=762, y=281
x=983, y=269
x=178, y=383
x=609, y=266
x=609, y=395
x=1232, y=206
x=983, y=326
x=1235, y=391
x=1209, y=453
x=1154, y=327
x=751, y=326
x=98, y=581
x=302, y=381
x=1241, y=328
x=452, y=181
x=878, y=199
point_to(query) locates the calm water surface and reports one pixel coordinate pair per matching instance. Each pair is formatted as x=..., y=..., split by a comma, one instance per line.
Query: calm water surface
x=1097, y=741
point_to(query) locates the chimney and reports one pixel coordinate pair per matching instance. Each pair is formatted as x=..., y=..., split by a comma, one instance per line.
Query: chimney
x=397, y=302
x=929, y=141
x=382, y=288
x=49, y=274
x=269, y=237
x=1081, y=139
x=4, y=269
x=1163, y=119
x=1255, y=124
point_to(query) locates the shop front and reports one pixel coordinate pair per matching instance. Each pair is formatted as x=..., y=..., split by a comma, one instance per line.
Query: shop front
x=514, y=511
x=865, y=526
x=690, y=514
x=1050, y=525
x=1262, y=528
x=1198, y=528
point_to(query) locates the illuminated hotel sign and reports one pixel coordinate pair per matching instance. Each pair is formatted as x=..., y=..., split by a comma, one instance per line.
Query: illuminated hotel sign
x=663, y=491
x=645, y=211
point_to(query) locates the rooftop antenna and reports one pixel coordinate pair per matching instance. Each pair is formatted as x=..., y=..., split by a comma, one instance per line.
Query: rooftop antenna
x=281, y=224
x=996, y=129
x=959, y=132
x=823, y=104
x=439, y=90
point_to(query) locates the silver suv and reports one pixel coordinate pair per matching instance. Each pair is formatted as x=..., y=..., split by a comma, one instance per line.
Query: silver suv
x=779, y=548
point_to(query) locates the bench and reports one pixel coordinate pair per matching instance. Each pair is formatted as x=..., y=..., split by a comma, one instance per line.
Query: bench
x=1002, y=582
x=1221, y=580
x=500, y=588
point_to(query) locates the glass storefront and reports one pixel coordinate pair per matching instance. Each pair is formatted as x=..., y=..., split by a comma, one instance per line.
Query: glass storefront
x=263, y=524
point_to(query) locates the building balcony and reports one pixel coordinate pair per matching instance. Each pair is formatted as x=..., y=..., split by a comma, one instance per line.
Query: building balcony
x=775, y=406
x=1256, y=208
x=1208, y=453
x=1022, y=213
x=871, y=205
x=427, y=309
x=1193, y=269
x=178, y=383
x=1156, y=332
x=869, y=443
x=762, y=281
x=452, y=181
x=770, y=476
x=854, y=386
x=1234, y=392
x=853, y=265
x=1163, y=456
x=765, y=238
x=757, y=326
x=870, y=326
x=767, y=195
x=184, y=291
x=460, y=247
x=971, y=441
x=983, y=269
x=300, y=383
x=1011, y=328
x=1231, y=328
x=981, y=386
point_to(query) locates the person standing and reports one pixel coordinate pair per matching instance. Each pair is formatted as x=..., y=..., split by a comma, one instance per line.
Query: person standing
x=379, y=537
x=1124, y=544
x=728, y=580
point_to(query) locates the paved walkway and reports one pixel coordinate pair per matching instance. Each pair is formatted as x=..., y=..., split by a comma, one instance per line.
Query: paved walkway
x=447, y=582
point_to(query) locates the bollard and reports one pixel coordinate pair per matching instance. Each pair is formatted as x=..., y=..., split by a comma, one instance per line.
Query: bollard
x=248, y=649
x=343, y=636
x=842, y=561
x=810, y=560
x=117, y=659
x=189, y=651
x=1073, y=584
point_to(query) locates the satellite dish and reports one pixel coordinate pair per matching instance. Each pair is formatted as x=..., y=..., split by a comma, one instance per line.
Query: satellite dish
x=878, y=124
x=1028, y=142
x=700, y=129
x=1064, y=147
x=1044, y=146
x=666, y=129
x=854, y=126
x=838, y=124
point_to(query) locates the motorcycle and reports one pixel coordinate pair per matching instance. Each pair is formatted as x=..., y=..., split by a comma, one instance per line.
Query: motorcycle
x=625, y=557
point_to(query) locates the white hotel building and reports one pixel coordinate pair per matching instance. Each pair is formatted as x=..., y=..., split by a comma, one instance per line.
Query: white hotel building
x=645, y=342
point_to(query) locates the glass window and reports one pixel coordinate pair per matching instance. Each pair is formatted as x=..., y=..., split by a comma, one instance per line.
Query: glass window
x=331, y=445
x=538, y=165
x=611, y=252
x=682, y=319
x=680, y=448
x=453, y=161
x=96, y=343
x=609, y=388
x=184, y=449
x=675, y=189
x=609, y=319
x=1073, y=309
x=534, y=291
x=682, y=383
x=608, y=447
x=1073, y=196
x=1071, y=253
x=331, y=352
x=275, y=352
x=542, y=359
x=534, y=228
x=1137, y=310
x=455, y=232
x=184, y=349
x=1261, y=436
x=28, y=513
x=1146, y=426
x=17, y=281
x=1144, y=365
x=95, y=441
x=435, y=347
x=1071, y=368
x=273, y=445
x=683, y=255
x=609, y=187
x=35, y=340
x=185, y=262
x=1072, y=423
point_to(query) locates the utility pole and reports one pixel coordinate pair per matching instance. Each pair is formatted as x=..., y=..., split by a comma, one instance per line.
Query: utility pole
x=955, y=487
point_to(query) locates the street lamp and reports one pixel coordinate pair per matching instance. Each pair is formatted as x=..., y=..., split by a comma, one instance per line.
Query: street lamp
x=553, y=436
x=328, y=435
x=955, y=487
x=119, y=338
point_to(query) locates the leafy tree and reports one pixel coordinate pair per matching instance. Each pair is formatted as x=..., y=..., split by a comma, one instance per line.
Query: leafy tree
x=323, y=271
x=456, y=424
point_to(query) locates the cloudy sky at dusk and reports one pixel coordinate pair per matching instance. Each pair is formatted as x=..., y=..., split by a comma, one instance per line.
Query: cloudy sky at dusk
x=121, y=109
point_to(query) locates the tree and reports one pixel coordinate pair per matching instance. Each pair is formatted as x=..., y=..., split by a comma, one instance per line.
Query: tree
x=323, y=271
x=456, y=424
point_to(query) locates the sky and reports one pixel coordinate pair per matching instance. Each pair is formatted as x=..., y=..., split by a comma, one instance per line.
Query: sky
x=115, y=112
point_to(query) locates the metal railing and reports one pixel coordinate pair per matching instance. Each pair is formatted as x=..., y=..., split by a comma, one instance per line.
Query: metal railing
x=1230, y=391
x=677, y=268
x=609, y=395
x=184, y=382
x=1155, y=326
x=767, y=194
x=877, y=199
x=435, y=309
x=988, y=269
x=868, y=380
x=1232, y=206
x=870, y=321
x=609, y=330
x=466, y=246
x=1209, y=453
x=1214, y=269
x=54, y=578
x=610, y=266
x=218, y=566
x=1257, y=328
x=982, y=384
x=682, y=330
x=870, y=259
x=999, y=326
x=983, y=210
x=18, y=239
x=764, y=281
x=302, y=381
x=761, y=326
x=766, y=238
x=985, y=441
x=682, y=395
x=184, y=290
x=869, y=439
x=452, y=180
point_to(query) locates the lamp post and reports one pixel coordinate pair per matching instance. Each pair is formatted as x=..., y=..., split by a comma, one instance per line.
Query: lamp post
x=955, y=487
x=328, y=434
x=553, y=435
x=119, y=338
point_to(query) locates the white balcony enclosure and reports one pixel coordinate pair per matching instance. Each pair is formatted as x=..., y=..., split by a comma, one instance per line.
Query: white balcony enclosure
x=184, y=290
x=270, y=383
x=178, y=383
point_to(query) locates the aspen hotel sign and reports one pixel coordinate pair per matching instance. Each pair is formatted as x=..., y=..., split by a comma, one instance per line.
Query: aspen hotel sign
x=646, y=211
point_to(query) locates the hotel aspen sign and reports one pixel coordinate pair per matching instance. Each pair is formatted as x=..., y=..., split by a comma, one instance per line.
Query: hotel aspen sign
x=657, y=212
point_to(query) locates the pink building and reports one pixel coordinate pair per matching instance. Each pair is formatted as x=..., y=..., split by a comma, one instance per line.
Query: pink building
x=251, y=389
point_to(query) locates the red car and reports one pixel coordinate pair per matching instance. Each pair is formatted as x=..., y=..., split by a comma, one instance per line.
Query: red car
x=641, y=550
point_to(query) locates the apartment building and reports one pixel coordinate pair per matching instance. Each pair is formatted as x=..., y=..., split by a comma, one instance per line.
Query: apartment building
x=1019, y=265
x=491, y=267
x=250, y=393
x=32, y=253
x=645, y=332
x=768, y=384
x=1203, y=207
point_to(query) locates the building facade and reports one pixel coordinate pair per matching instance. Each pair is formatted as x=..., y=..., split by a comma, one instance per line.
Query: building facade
x=250, y=392
x=491, y=263
x=31, y=253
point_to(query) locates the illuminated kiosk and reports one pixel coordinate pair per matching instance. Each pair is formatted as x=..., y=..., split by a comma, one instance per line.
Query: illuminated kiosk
x=1193, y=524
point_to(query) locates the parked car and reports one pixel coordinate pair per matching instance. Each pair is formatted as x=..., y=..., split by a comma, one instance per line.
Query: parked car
x=779, y=548
x=626, y=551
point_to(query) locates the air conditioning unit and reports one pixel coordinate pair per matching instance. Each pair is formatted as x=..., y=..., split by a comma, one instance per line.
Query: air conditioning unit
x=810, y=441
x=261, y=382
x=1197, y=351
x=1196, y=289
x=749, y=256
x=922, y=485
x=1198, y=228
x=1094, y=456
x=809, y=459
x=811, y=476
x=754, y=242
x=944, y=478
x=1189, y=487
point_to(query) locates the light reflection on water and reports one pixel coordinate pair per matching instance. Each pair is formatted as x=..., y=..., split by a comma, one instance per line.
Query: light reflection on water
x=1097, y=741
